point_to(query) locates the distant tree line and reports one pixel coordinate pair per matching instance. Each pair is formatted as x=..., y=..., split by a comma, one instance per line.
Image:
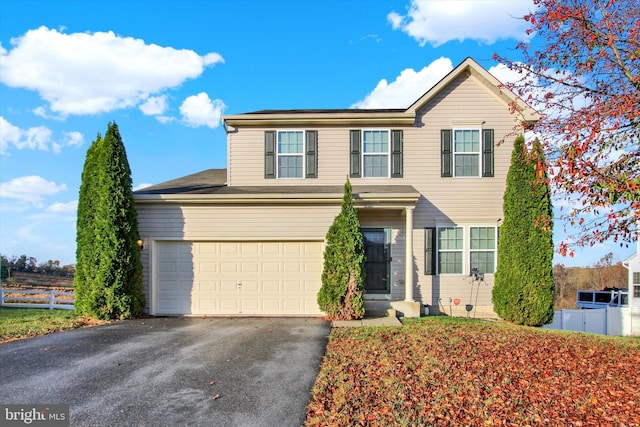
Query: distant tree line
x=605, y=273
x=28, y=264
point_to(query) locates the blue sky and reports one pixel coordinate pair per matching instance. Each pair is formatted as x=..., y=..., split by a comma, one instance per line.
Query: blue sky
x=165, y=71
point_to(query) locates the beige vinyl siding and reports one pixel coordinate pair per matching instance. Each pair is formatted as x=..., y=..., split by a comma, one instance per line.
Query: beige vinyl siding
x=235, y=222
x=466, y=99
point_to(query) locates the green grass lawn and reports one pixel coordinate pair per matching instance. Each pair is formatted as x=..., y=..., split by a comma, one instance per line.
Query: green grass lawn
x=448, y=371
x=17, y=323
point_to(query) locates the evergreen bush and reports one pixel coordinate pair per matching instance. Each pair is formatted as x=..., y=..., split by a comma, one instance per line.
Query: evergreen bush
x=523, y=289
x=340, y=296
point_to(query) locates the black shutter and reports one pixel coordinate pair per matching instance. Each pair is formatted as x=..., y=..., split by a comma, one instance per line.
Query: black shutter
x=270, y=154
x=447, y=153
x=311, y=153
x=396, y=154
x=430, y=251
x=487, y=152
x=354, y=156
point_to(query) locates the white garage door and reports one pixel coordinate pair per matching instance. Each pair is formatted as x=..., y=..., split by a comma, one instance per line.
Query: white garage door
x=241, y=278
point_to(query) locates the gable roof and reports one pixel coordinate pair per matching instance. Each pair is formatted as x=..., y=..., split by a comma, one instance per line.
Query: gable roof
x=388, y=116
x=469, y=66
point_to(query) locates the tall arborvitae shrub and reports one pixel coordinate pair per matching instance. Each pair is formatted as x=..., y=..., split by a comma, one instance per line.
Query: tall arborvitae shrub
x=86, y=254
x=340, y=296
x=113, y=275
x=539, y=287
x=523, y=289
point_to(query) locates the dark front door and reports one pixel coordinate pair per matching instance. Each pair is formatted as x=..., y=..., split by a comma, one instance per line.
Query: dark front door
x=377, y=258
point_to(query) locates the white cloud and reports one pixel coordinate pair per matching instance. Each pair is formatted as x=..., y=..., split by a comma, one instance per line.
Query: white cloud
x=402, y=91
x=35, y=138
x=200, y=110
x=437, y=22
x=165, y=119
x=154, y=105
x=73, y=139
x=89, y=73
x=30, y=189
x=60, y=207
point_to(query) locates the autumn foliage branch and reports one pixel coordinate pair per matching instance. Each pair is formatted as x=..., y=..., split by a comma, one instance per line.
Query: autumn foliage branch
x=584, y=77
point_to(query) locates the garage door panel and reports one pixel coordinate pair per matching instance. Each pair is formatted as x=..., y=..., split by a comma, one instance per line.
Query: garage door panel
x=229, y=248
x=249, y=287
x=228, y=286
x=248, y=278
x=270, y=286
x=270, y=267
x=229, y=305
x=292, y=267
x=208, y=267
x=292, y=286
x=229, y=267
x=249, y=267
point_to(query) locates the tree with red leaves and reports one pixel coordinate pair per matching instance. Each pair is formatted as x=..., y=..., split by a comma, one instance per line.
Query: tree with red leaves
x=584, y=77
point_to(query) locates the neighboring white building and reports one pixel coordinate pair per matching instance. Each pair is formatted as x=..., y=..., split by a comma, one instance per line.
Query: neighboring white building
x=633, y=265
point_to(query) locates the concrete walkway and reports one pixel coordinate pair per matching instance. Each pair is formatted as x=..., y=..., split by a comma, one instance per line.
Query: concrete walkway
x=367, y=321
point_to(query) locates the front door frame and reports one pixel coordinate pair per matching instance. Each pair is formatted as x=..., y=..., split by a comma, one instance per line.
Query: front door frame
x=387, y=255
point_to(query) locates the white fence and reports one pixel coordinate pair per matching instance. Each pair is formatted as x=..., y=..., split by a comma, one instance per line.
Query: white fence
x=604, y=321
x=26, y=298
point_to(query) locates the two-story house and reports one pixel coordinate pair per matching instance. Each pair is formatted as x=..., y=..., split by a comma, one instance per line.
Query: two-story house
x=428, y=184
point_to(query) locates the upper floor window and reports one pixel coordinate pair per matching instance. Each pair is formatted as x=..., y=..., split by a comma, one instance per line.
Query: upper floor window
x=291, y=154
x=467, y=152
x=375, y=153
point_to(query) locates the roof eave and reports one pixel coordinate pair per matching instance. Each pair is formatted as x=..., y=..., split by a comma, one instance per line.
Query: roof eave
x=321, y=119
x=360, y=199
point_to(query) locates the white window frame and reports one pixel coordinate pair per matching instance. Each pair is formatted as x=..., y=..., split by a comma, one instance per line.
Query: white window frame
x=466, y=248
x=301, y=154
x=456, y=153
x=439, y=251
x=387, y=153
x=494, y=250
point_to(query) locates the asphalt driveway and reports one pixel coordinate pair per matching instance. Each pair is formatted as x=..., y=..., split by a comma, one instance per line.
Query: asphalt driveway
x=171, y=371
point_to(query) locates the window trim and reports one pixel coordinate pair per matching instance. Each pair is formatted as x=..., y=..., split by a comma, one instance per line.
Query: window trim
x=466, y=248
x=439, y=251
x=479, y=153
x=302, y=153
x=363, y=154
x=494, y=250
